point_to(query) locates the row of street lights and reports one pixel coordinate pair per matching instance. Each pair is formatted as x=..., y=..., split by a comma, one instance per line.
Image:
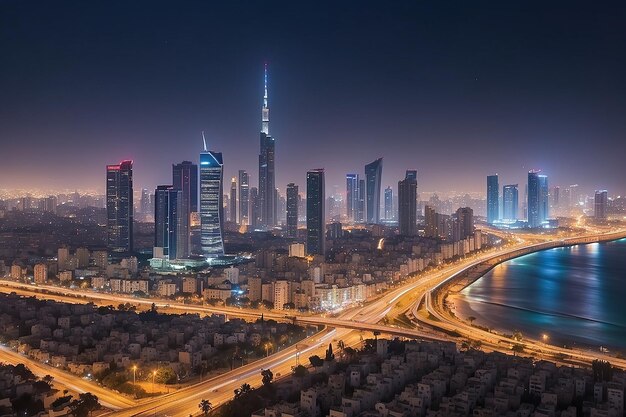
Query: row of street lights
x=135, y=377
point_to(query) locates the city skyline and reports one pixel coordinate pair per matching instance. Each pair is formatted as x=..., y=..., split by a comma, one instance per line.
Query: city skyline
x=344, y=103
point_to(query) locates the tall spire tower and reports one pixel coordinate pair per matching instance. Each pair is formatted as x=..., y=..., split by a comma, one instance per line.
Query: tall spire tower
x=265, y=111
x=267, y=178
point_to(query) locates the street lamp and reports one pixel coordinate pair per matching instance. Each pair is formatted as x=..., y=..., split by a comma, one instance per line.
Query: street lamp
x=153, y=376
x=134, y=374
x=545, y=337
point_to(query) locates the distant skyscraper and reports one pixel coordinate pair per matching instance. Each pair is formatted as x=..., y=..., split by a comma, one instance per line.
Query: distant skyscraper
x=600, y=205
x=373, y=177
x=233, y=200
x=168, y=219
x=211, y=205
x=493, y=199
x=254, y=208
x=120, y=206
x=407, y=204
x=315, y=216
x=538, y=205
x=465, y=219
x=430, y=227
x=352, y=196
x=292, y=210
x=267, y=187
x=510, y=196
x=360, y=213
x=388, y=203
x=185, y=179
x=144, y=203
x=244, y=198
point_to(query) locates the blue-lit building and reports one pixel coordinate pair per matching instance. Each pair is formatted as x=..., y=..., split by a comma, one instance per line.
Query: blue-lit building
x=352, y=196
x=510, y=200
x=389, y=204
x=169, y=222
x=373, y=179
x=211, y=204
x=185, y=179
x=267, y=170
x=119, y=199
x=538, y=204
x=315, y=213
x=493, y=199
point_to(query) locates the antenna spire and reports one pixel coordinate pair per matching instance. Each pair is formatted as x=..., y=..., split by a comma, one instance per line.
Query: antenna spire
x=204, y=142
x=265, y=111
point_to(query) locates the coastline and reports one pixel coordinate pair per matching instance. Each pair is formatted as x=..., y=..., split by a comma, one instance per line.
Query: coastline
x=462, y=310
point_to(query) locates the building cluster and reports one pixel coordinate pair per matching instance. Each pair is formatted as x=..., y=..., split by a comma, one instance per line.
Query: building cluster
x=86, y=340
x=423, y=379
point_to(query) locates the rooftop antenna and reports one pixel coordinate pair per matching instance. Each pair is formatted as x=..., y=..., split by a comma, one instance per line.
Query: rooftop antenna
x=204, y=141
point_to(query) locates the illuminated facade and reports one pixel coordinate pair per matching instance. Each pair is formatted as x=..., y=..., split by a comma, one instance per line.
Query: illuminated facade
x=292, y=210
x=510, y=200
x=373, y=178
x=119, y=198
x=538, y=204
x=315, y=213
x=352, y=196
x=211, y=204
x=267, y=172
x=169, y=217
x=388, y=204
x=185, y=179
x=244, y=198
x=493, y=199
x=601, y=202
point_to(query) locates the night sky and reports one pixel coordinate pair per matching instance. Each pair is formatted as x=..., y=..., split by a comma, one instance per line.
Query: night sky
x=456, y=90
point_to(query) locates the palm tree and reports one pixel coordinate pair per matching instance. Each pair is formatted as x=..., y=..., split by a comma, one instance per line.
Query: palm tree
x=205, y=406
x=341, y=345
x=243, y=390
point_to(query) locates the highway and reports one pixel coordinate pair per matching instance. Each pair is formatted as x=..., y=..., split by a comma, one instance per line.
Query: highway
x=107, y=397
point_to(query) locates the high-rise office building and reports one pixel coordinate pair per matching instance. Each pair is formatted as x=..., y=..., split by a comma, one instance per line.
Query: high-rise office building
x=267, y=187
x=254, y=208
x=601, y=202
x=244, y=198
x=185, y=179
x=373, y=178
x=120, y=206
x=360, y=212
x=465, y=219
x=211, y=204
x=510, y=197
x=407, y=204
x=315, y=216
x=168, y=219
x=292, y=210
x=352, y=196
x=144, y=203
x=388, y=203
x=493, y=199
x=538, y=204
x=233, y=200
x=430, y=226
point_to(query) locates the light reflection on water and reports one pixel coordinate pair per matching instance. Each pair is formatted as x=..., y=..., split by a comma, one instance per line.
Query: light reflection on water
x=576, y=294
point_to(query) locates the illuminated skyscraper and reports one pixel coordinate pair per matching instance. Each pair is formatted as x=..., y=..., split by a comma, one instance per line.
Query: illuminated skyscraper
x=233, y=200
x=254, y=207
x=292, y=210
x=267, y=187
x=600, y=205
x=120, y=207
x=315, y=216
x=510, y=197
x=388, y=203
x=465, y=222
x=360, y=212
x=168, y=218
x=185, y=179
x=352, y=196
x=407, y=204
x=493, y=202
x=211, y=203
x=244, y=198
x=373, y=177
x=430, y=227
x=538, y=204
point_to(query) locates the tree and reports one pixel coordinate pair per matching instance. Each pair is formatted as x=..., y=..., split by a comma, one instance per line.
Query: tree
x=471, y=319
x=316, y=361
x=243, y=390
x=517, y=348
x=165, y=376
x=48, y=379
x=342, y=346
x=84, y=405
x=205, y=406
x=330, y=356
x=300, y=371
x=267, y=377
